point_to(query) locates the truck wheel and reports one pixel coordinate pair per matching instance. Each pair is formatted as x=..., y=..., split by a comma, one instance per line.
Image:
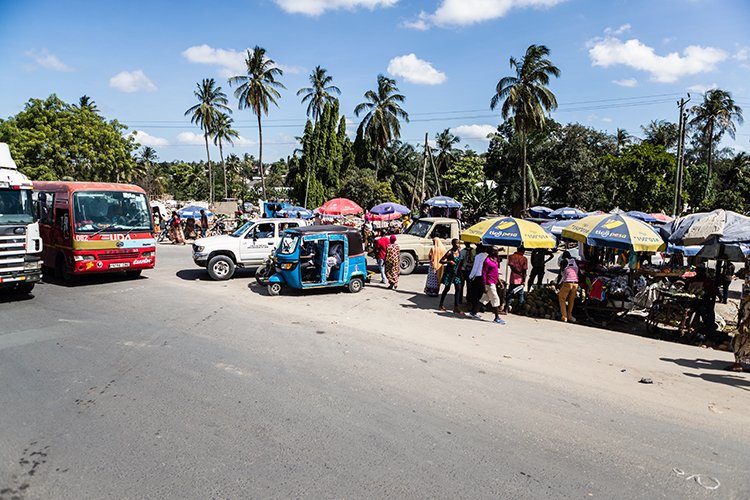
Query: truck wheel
x=274, y=289
x=220, y=268
x=407, y=263
x=356, y=285
x=133, y=274
x=24, y=288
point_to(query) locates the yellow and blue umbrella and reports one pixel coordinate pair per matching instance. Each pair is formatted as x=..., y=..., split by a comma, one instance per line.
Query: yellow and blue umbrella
x=615, y=231
x=509, y=232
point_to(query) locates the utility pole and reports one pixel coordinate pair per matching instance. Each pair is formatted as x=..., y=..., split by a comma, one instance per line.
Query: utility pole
x=677, y=207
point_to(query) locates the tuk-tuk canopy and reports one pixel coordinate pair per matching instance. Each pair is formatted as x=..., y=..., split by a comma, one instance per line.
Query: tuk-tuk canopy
x=353, y=236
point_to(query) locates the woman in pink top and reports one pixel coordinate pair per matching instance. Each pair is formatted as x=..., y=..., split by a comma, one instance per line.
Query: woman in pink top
x=568, y=287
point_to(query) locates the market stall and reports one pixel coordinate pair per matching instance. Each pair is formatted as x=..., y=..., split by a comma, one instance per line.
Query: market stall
x=607, y=291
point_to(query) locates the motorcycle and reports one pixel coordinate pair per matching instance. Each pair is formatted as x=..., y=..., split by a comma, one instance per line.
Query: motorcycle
x=265, y=271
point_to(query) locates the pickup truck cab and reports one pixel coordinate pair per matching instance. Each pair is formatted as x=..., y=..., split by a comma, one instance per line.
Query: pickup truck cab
x=248, y=246
x=416, y=241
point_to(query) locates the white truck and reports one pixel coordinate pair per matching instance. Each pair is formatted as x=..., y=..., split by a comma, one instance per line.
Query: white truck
x=20, y=242
x=248, y=246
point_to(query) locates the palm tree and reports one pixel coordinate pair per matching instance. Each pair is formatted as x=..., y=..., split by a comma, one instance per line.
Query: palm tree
x=320, y=93
x=211, y=102
x=381, y=122
x=622, y=138
x=447, y=154
x=716, y=115
x=85, y=102
x=526, y=97
x=255, y=90
x=661, y=133
x=223, y=132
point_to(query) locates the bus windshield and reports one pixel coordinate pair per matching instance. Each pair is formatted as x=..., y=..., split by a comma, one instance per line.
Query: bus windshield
x=110, y=212
x=16, y=206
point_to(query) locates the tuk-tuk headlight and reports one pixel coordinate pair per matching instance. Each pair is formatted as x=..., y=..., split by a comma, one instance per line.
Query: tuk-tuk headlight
x=288, y=266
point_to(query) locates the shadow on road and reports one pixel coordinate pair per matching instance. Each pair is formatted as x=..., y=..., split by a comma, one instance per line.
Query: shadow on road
x=200, y=274
x=257, y=289
x=698, y=364
x=737, y=381
x=90, y=280
x=8, y=296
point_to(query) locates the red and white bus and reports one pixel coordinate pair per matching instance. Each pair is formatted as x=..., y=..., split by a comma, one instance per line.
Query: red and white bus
x=95, y=227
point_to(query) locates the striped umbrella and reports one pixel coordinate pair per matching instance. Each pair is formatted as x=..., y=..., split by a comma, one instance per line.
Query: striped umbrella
x=615, y=231
x=510, y=232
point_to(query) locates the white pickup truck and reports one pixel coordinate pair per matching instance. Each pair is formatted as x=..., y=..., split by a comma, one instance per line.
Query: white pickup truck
x=248, y=246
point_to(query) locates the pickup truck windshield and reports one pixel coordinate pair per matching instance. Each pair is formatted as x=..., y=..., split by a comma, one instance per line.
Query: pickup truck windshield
x=419, y=229
x=111, y=212
x=16, y=206
x=238, y=233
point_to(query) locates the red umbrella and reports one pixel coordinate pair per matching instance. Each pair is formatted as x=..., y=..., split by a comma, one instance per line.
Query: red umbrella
x=662, y=217
x=340, y=206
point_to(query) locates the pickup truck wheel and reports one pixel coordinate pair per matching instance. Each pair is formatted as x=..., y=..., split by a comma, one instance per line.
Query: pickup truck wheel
x=274, y=289
x=220, y=268
x=356, y=285
x=407, y=263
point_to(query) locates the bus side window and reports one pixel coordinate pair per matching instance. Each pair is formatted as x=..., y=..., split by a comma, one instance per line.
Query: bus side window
x=63, y=223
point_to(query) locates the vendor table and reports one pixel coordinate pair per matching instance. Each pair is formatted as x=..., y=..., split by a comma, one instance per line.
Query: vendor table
x=673, y=310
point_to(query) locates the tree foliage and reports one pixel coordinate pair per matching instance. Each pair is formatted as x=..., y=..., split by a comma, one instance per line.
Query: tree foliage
x=51, y=140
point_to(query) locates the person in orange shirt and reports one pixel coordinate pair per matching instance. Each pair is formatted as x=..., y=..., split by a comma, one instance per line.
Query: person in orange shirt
x=519, y=266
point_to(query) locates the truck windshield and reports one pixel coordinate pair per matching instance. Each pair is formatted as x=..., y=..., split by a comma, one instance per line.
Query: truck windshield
x=16, y=206
x=244, y=227
x=419, y=228
x=111, y=212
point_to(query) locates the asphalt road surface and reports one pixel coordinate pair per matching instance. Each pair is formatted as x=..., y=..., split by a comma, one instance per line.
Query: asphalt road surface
x=174, y=386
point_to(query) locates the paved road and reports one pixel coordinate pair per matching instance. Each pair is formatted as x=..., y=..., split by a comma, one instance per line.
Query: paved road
x=174, y=386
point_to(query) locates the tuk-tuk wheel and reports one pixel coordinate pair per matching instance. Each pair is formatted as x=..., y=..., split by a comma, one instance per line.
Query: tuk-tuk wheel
x=274, y=289
x=356, y=284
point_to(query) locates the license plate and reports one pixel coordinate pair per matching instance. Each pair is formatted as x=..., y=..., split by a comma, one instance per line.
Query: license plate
x=116, y=265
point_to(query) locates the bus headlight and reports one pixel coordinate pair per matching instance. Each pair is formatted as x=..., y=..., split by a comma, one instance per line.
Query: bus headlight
x=79, y=258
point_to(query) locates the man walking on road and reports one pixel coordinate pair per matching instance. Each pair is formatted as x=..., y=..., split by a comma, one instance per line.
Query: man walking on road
x=381, y=248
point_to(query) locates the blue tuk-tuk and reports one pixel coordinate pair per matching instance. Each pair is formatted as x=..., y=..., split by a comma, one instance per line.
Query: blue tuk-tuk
x=319, y=257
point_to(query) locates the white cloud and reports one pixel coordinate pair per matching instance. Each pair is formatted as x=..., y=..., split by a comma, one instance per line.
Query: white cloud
x=243, y=142
x=145, y=139
x=46, y=60
x=618, y=31
x=467, y=12
x=474, y=132
x=132, y=81
x=415, y=70
x=318, y=7
x=190, y=138
x=230, y=62
x=701, y=89
x=742, y=54
x=610, y=51
x=626, y=82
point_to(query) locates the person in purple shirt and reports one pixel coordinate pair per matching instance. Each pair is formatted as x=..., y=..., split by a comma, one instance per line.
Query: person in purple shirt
x=490, y=278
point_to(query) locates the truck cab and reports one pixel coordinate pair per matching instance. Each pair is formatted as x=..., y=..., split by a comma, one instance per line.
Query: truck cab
x=20, y=243
x=416, y=241
x=248, y=246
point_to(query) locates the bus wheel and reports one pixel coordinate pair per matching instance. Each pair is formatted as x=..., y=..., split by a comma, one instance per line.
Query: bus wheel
x=133, y=274
x=274, y=289
x=62, y=272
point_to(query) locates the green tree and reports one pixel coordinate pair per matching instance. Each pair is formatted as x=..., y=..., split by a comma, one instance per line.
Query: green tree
x=223, y=132
x=716, y=115
x=447, y=153
x=319, y=94
x=525, y=96
x=480, y=200
x=641, y=178
x=85, y=102
x=256, y=90
x=402, y=166
x=50, y=139
x=211, y=103
x=463, y=176
x=361, y=186
x=382, y=112
x=622, y=138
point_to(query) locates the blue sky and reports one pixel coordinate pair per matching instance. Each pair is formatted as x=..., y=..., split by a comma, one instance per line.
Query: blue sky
x=623, y=63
